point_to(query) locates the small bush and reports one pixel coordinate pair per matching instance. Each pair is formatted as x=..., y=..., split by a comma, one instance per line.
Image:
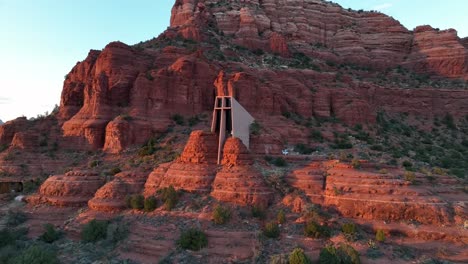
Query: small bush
x=279, y=162
x=36, y=254
x=255, y=128
x=316, y=135
x=348, y=254
x=221, y=215
x=279, y=259
x=94, y=163
x=15, y=218
x=258, y=212
x=137, y=201
x=150, y=204
x=51, y=234
x=303, y=149
x=407, y=164
x=297, y=256
x=329, y=255
x=170, y=197
x=94, y=230
x=6, y=237
x=193, y=239
x=281, y=217
x=194, y=120
x=114, y=171
x=380, y=235
x=178, y=119
x=409, y=176
x=314, y=230
x=356, y=163
x=271, y=230
x=343, y=254
x=349, y=230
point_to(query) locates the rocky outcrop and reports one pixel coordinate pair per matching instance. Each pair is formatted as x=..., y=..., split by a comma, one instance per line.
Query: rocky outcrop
x=111, y=196
x=366, y=38
x=9, y=129
x=195, y=169
x=438, y=51
x=74, y=188
x=369, y=194
x=238, y=181
x=25, y=140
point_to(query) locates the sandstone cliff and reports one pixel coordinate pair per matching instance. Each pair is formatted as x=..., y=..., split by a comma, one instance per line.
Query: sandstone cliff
x=309, y=58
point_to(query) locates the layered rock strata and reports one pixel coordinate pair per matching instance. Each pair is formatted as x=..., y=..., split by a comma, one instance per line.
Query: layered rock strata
x=194, y=170
x=238, y=181
x=111, y=196
x=74, y=188
x=368, y=194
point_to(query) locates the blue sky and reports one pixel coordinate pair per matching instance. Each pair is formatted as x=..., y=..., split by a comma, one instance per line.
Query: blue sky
x=41, y=40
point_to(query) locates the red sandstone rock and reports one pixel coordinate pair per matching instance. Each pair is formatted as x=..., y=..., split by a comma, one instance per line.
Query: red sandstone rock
x=194, y=171
x=440, y=52
x=74, y=188
x=238, y=181
x=111, y=196
x=371, y=195
x=8, y=130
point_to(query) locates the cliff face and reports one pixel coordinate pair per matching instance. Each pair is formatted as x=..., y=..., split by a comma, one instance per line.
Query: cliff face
x=367, y=38
x=310, y=58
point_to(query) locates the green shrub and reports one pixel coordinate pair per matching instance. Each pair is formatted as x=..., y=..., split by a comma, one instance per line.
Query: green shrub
x=194, y=120
x=407, y=164
x=409, y=176
x=31, y=186
x=15, y=218
x=94, y=230
x=36, y=254
x=279, y=162
x=329, y=255
x=6, y=237
x=114, y=171
x=137, y=201
x=316, y=135
x=221, y=215
x=348, y=254
x=258, y=212
x=314, y=230
x=178, y=119
x=281, y=217
x=297, y=256
x=51, y=234
x=255, y=128
x=150, y=204
x=303, y=149
x=380, y=235
x=356, y=163
x=349, y=230
x=271, y=230
x=169, y=196
x=193, y=239
x=279, y=259
x=345, y=254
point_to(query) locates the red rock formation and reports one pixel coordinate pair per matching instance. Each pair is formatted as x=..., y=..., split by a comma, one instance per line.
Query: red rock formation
x=154, y=179
x=440, y=52
x=74, y=188
x=372, y=195
x=194, y=171
x=238, y=181
x=8, y=130
x=111, y=196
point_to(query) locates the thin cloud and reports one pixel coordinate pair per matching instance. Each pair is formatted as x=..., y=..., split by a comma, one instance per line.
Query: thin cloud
x=382, y=6
x=4, y=100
